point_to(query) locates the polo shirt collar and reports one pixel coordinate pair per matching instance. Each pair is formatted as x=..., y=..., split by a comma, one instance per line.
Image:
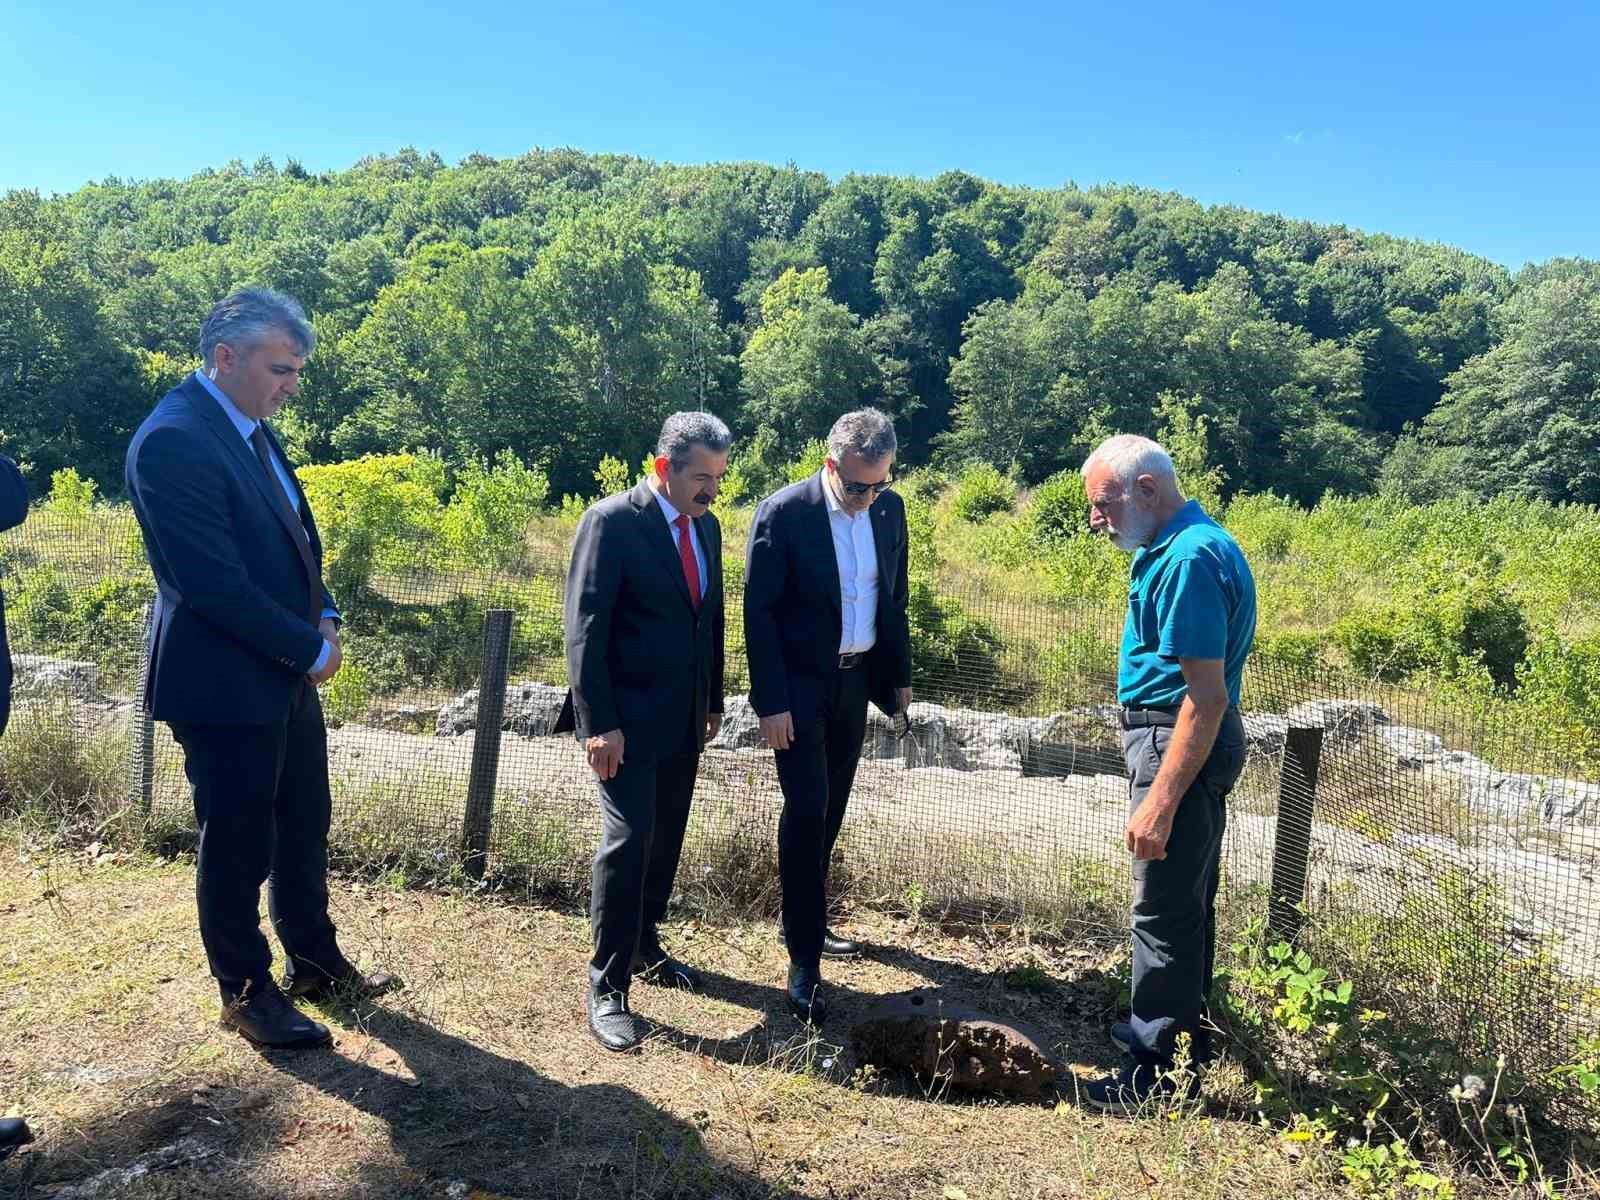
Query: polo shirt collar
x=1190, y=514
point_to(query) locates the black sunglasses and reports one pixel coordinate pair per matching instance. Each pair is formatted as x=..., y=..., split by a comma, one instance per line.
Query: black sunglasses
x=861, y=489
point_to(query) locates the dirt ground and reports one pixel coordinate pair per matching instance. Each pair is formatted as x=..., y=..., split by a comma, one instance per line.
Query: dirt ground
x=479, y=1079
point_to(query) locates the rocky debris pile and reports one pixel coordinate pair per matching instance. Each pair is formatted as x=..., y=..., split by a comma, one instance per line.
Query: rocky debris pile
x=1086, y=741
x=531, y=710
x=40, y=677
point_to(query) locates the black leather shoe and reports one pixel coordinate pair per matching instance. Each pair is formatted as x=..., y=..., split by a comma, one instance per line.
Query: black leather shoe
x=350, y=984
x=13, y=1133
x=265, y=1018
x=807, y=1001
x=654, y=965
x=834, y=946
x=613, y=1024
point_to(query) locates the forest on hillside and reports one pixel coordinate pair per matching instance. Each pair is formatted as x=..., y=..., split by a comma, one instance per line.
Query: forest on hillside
x=556, y=305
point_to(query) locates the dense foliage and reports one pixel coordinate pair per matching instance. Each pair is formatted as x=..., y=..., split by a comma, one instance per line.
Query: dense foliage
x=555, y=305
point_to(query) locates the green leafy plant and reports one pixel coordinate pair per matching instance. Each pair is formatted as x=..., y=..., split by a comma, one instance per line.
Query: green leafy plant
x=981, y=490
x=70, y=494
x=488, y=515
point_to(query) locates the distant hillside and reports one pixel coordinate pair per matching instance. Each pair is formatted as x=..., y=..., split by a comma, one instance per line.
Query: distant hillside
x=558, y=304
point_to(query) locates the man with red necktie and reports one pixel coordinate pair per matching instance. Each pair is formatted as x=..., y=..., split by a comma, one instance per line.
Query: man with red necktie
x=644, y=629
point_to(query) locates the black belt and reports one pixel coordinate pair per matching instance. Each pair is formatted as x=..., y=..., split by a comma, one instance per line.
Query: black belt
x=849, y=662
x=1138, y=717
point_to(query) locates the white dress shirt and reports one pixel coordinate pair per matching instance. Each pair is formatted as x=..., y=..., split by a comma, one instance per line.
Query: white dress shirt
x=856, y=551
x=672, y=515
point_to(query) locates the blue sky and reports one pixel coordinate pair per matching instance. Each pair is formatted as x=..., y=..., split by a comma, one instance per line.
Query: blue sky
x=1467, y=123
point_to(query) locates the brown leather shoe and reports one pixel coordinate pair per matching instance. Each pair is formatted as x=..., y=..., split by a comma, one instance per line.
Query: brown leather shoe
x=351, y=985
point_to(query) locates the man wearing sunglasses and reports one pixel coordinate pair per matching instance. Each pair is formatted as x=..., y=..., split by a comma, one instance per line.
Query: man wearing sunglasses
x=825, y=631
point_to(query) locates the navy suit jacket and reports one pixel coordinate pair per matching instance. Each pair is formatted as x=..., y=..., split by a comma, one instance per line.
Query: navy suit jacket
x=640, y=659
x=793, y=613
x=13, y=508
x=231, y=638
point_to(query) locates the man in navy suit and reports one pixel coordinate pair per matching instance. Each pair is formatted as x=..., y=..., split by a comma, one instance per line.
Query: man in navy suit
x=243, y=633
x=826, y=629
x=13, y=508
x=644, y=625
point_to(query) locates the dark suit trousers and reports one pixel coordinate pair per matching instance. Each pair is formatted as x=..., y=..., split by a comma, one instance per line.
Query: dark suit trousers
x=644, y=810
x=816, y=774
x=262, y=802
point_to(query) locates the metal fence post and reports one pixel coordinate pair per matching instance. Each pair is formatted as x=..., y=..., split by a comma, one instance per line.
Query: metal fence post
x=142, y=770
x=486, y=740
x=1291, y=849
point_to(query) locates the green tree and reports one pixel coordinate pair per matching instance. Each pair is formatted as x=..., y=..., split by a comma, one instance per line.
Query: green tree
x=1523, y=419
x=806, y=363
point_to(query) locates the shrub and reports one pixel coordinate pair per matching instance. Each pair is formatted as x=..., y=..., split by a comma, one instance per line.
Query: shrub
x=441, y=645
x=1077, y=666
x=70, y=494
x=103, y=621
x=1377, y=644
x=812, y=456
x=981, y=490
x=1297, y=651
x=348, y=695
x=1562, y=675
x=612, y=476
x=488, y=515
x=375, y=513
x=921, y=484
x=952, y=652
x=1058, y=509
x=1264, y=525
x=1452, y=630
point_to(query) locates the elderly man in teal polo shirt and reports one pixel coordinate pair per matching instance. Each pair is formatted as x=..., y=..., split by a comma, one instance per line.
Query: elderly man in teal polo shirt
x=1191, y=619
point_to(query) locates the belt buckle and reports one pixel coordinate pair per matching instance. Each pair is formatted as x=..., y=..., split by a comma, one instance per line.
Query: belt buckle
x=847, y=662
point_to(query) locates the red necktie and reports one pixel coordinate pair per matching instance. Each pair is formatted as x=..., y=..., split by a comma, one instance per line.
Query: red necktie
x=691, y=568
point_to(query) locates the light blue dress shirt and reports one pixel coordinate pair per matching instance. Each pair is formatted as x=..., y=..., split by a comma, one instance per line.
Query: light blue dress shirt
x=672, y=515
x=247, y=426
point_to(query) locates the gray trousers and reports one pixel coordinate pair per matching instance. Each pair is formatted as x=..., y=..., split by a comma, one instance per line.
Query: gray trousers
x=1175, y=898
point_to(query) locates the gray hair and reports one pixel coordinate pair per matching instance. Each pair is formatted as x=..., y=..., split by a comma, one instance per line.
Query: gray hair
x=251, y=315
x=867, y=431
x=1128, y=456
x=683, y=431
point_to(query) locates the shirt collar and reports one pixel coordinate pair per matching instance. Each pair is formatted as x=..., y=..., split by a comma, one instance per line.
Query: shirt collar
x=666, y=505
x=834, y=507
x=242, y=423
x=1190, y=514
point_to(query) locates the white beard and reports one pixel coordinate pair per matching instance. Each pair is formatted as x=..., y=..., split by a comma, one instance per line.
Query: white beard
x=1136, y=532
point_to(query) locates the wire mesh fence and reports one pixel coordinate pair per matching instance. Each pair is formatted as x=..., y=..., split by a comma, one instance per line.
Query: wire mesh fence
x=1441, y=854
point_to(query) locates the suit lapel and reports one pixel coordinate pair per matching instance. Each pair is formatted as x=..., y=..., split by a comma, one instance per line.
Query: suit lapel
x=712, y=544
x=660, y=536
x=821, y=538
x=882, y=530
x=243, y=456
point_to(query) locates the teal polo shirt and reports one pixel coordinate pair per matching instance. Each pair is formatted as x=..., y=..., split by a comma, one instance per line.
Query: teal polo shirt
x=1190, y=595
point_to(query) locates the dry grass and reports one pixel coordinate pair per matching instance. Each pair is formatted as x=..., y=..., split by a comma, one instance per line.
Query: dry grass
x=481, y=1072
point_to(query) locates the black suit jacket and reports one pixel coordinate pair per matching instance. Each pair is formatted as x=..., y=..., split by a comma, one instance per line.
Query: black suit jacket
x=793, y=614
x=638, y=657
x=13, y=508
x=232, y=637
